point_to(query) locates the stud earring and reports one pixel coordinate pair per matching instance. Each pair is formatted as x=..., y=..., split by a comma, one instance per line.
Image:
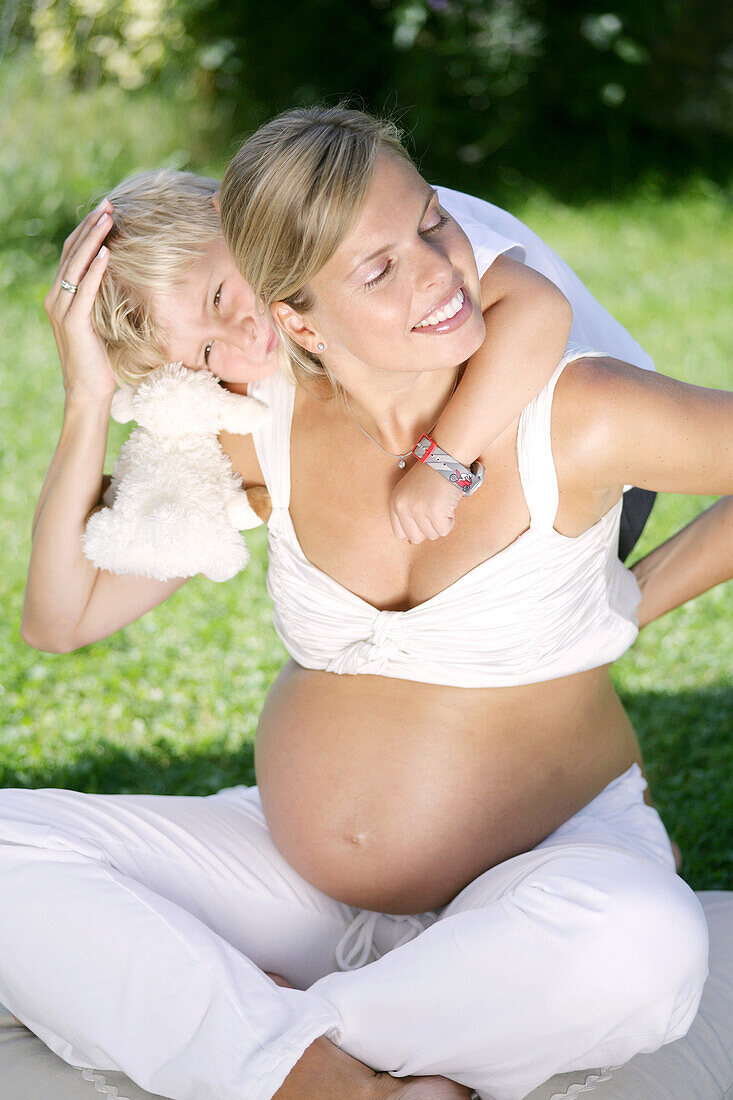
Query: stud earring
x=320, y=347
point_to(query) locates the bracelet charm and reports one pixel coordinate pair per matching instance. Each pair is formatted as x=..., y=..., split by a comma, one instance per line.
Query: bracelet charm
x=467, y=479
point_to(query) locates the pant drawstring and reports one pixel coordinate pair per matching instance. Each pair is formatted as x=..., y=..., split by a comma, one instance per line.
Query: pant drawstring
x=362, y=949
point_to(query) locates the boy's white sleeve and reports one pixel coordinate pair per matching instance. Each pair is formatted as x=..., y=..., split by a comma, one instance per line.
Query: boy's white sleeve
x=486, y=242
x=494, y=232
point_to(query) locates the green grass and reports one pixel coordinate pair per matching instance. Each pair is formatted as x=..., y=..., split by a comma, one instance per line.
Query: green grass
x=171, y=703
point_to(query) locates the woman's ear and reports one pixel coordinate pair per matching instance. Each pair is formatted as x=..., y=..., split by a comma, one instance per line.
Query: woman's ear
x=215, y=202
x=296, y=326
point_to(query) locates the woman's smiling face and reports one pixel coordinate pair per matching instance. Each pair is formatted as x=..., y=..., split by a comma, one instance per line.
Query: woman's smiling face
x=212, y=320
x=401, y=292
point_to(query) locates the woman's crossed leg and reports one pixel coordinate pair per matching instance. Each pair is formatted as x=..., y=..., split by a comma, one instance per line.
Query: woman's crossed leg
x=134, y=932
x=580, y=953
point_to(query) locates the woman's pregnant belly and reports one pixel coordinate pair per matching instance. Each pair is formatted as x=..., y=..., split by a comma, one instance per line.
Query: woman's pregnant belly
x=393, y=796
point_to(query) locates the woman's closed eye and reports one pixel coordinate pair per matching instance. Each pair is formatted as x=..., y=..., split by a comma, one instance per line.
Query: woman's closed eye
x=382, y=275
x=437, y=226
x=429, y=231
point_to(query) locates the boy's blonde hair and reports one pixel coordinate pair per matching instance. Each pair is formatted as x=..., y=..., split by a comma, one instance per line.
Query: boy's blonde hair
x=290, y=196
x=163, y=219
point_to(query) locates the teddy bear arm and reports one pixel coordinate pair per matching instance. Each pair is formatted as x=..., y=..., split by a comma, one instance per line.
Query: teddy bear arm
x=239, y=414
x=123, y=408
x=242, y=515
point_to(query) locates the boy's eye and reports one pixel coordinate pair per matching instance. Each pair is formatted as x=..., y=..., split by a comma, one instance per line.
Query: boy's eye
x=442, y=220
x=207, y=353
x=217, y=296
x=382, y=275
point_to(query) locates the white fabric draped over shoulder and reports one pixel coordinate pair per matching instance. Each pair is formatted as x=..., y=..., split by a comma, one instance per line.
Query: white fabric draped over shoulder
x=494, y=232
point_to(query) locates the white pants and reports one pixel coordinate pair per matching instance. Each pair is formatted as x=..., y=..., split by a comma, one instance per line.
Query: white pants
x=134, y=931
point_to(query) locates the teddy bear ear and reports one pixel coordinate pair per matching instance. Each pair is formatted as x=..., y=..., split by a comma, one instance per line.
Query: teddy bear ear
x=123, y=408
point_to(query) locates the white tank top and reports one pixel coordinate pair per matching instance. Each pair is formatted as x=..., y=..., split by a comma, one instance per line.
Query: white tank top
x=547, y=605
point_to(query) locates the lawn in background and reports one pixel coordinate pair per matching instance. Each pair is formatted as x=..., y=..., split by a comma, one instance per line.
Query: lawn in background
x=171, y=703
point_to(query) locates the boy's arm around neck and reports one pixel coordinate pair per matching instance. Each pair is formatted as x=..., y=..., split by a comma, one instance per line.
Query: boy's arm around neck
x=528, y=323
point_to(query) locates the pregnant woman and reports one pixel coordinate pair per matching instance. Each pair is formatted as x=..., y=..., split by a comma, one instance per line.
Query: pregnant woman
x=449, y=852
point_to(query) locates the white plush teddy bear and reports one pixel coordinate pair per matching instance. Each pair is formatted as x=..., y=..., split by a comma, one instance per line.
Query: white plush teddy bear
x=176, y=505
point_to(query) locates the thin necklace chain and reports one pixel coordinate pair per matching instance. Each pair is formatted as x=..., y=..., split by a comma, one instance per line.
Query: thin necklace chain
x=401, y=463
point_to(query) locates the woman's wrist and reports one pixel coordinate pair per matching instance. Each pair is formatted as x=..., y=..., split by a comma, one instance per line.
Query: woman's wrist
x=84, y=427
x=81, y=408
x=79, y=396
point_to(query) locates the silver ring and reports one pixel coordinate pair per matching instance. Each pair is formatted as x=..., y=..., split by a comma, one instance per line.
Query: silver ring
x=69, y=286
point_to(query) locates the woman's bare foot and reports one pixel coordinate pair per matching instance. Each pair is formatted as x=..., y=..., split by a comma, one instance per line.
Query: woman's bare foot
x=326, y=1071
x=279, y=980
x=428, y=1088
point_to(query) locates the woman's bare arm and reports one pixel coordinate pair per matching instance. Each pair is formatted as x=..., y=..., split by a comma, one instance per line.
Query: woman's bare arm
x=696, y=559
x=69, y=602
x=614, y=424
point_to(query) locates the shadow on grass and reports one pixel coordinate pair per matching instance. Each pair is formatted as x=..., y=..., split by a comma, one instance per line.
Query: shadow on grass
x=160, y=768
x=687, y=739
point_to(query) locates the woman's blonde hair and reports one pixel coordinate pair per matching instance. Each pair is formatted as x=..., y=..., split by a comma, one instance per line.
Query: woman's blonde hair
x=290, y=196
x=163, y=219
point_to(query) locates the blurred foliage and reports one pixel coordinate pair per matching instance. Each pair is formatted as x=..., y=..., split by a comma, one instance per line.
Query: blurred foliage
x=61, y=152
x=496, y=93
x=131, y=41
x=573, y=96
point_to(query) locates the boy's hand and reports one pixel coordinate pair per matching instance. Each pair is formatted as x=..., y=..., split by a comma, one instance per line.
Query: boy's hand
x=423, y=505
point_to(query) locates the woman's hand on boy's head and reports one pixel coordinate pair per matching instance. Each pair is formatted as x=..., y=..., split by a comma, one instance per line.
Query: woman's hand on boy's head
x=86, y=370
x=423, y=505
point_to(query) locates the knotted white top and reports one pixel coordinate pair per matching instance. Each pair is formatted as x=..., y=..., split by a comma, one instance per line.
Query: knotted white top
x=545, y=606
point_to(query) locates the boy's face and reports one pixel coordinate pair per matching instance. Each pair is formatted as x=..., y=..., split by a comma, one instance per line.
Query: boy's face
x=212, y=320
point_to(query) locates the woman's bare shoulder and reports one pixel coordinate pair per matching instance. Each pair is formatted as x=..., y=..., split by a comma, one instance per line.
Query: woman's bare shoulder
x=612, y=421
x=579, y=413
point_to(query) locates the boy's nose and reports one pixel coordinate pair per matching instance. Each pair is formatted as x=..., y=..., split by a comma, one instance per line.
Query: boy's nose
x=239, y=328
